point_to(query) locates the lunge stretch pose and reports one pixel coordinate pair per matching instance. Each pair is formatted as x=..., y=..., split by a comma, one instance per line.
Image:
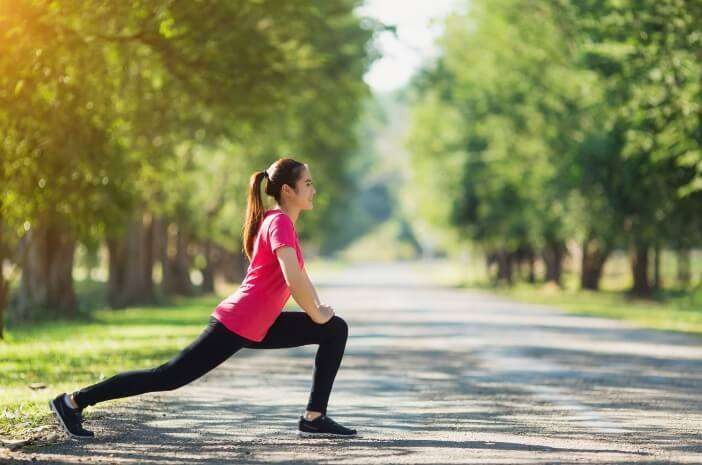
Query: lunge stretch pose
x=252, y=317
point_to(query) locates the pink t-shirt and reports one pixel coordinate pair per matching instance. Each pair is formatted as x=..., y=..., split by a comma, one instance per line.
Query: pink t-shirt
x=253, y=308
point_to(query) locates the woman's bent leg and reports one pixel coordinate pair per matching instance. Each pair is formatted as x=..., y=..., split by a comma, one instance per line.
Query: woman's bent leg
x=293, y=329
x=212, y=347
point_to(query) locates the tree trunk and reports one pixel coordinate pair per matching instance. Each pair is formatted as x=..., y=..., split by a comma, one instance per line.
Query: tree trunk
x=131, y=264
x=504, y=267
x=46, y=258
x=4, y=291
x=553, y=259
x=208, y=270
x=532, y=268
x=161, y=232
x=175, y=261
x=639, y=269
x=4, y=284
x=684, y=266
x=232, y=265
x=595, y=254
x=212, y=257
x=521, y=260
x=657, y=283
x=490, y=258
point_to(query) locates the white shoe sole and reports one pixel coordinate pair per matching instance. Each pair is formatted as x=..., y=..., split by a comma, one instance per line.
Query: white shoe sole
x=63, y=425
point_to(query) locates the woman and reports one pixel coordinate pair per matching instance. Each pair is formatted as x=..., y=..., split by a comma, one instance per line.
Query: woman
x=251, y=317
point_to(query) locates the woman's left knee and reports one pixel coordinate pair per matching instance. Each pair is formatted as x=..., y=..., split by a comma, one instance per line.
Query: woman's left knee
x=339, y=326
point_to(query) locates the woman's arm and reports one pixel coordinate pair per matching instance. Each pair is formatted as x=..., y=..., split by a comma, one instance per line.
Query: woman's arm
x=300, y=286
x=317, y=300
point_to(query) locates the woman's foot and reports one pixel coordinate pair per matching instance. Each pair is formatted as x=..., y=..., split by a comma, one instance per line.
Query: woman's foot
x=70, y=419
x=323, y=426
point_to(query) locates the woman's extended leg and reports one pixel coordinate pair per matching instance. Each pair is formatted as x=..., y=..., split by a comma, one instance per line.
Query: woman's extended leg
x=293, y=329
x=211, y=348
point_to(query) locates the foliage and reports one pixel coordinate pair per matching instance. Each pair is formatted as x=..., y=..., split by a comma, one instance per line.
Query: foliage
x=563, y=120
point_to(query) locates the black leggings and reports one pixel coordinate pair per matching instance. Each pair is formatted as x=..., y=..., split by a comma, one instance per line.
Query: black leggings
x=217, y=343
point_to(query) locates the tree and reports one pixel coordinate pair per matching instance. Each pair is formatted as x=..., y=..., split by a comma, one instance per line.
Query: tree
x=134, y=85
x=578, y=120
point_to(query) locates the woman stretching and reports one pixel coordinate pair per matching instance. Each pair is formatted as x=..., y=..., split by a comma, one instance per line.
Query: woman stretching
x=251, y=317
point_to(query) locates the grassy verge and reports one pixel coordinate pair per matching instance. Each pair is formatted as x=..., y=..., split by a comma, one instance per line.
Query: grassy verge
x=671, y=310
x=40, y=360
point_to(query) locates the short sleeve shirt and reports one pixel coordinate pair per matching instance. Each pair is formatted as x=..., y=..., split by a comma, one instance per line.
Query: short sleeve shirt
x=252, y=309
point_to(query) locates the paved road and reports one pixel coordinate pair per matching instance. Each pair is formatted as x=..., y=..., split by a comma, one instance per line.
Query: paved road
x=431, y=375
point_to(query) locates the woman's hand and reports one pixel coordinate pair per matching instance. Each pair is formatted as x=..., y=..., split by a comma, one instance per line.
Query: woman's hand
x=326, y=312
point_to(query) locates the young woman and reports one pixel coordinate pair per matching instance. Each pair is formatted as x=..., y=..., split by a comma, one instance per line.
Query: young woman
x=251, y=317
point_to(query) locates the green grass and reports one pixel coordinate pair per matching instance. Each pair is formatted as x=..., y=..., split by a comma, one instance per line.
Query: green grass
x=679, y=311
x=66, y=355
x=670, y=310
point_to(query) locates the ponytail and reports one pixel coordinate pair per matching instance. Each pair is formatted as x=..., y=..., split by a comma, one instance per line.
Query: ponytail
x=254, y=212
x=283, y=171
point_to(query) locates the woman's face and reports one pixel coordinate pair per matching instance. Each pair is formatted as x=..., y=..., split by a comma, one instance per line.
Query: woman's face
x=304, y=191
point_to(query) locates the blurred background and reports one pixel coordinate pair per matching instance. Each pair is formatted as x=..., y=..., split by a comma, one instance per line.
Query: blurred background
x=539, y=148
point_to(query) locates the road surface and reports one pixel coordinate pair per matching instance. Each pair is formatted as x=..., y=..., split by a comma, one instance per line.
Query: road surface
x=431, y=375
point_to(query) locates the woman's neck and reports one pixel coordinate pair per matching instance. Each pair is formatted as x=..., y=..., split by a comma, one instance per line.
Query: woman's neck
x=293, y=213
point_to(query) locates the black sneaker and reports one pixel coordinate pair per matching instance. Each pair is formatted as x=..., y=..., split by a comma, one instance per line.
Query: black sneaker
x=69, y=419
x=323, y=426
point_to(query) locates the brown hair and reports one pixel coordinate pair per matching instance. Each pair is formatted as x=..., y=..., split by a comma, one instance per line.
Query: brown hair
x=283, y=171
